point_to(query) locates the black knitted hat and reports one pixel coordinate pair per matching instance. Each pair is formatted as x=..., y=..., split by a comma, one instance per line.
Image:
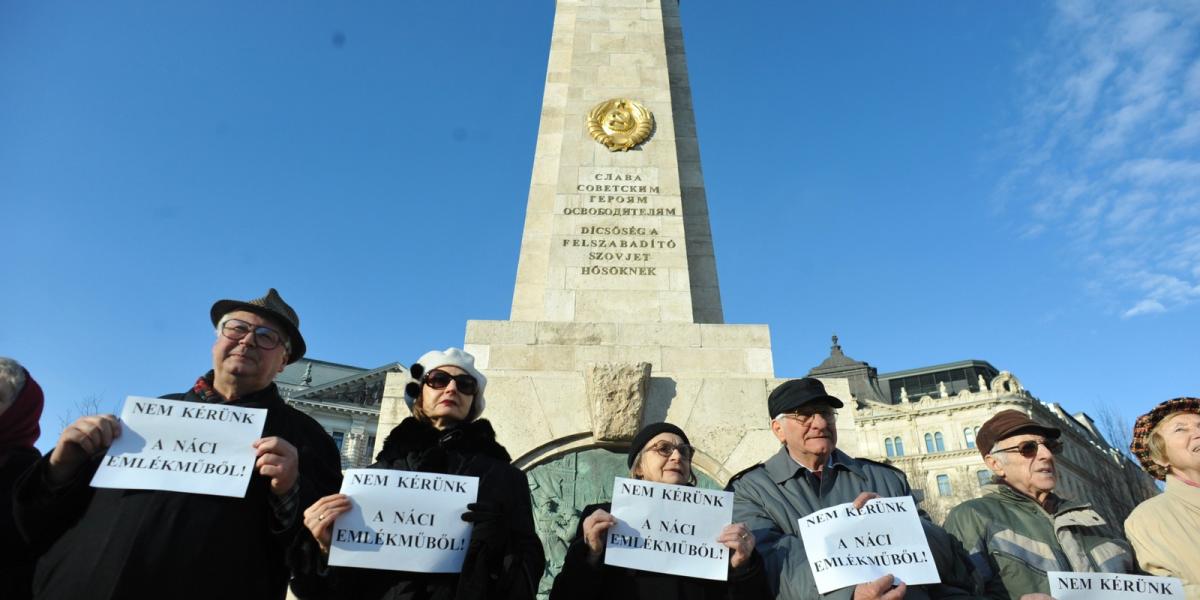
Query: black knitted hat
x=647, y=433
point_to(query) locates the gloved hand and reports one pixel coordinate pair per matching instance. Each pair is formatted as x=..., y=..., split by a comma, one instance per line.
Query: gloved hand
x=484, y=563
x=490, y=525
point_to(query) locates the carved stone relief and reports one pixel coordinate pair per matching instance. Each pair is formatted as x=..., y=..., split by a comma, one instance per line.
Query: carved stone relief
x=616, y=394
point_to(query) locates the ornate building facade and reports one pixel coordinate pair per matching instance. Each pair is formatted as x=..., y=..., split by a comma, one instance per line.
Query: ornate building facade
x=343, y=399
x=925, y=420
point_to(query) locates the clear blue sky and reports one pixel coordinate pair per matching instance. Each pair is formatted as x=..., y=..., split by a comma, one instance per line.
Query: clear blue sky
x=1014, y=182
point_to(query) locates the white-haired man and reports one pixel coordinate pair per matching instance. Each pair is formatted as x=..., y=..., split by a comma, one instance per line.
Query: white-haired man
x=809, y=473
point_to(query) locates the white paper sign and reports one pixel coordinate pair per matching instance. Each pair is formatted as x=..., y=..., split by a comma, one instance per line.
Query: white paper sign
x=404, y=521
x=1112, y=586
x=182, y=447
x=669, y=529
x=847, y=547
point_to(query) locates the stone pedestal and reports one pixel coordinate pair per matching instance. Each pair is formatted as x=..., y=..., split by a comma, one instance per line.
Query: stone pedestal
x=711, y=380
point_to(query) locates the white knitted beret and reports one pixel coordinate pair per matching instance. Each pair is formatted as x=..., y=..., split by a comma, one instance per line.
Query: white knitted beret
x=448, y=357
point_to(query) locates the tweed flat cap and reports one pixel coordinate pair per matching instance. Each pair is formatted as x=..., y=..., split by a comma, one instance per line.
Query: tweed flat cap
x=1140, y=446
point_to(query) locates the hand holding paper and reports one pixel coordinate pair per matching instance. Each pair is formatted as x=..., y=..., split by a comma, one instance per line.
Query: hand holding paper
x=880, y=589
x=277, y=459
x=594, y=528
x=174, y=446
x=867, y=545
x=79, y=442
x=737, y=538
x=410, y=521
x=319, y=518
x=862, y=499
x=669, y=529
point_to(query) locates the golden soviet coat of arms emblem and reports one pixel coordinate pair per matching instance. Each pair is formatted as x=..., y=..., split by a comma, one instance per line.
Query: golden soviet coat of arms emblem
x=620, y=123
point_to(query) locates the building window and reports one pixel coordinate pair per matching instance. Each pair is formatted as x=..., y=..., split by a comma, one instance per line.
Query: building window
x=956, y=380
x=939, y=442
x=338, y=438
x=985, y=477
x=887, y=445
x=943, y=485
x=969, y=435
x=899, y=443
x=929, y=443
x=369, y=450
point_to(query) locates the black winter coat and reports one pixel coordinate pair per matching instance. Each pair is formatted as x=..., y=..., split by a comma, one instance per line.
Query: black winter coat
x=130, y=544
x=507, y=566
x=16, y=558
x=580, y=580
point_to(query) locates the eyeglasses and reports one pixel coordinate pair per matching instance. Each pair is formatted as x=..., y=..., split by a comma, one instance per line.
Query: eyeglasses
x=666, y=449
x=1029, y=448
x=265, y=337
x=438, y=380
x=804, y=416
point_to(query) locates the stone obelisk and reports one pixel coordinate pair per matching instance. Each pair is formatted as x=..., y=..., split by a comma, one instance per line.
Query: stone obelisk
x=617, y=235
x=616, y=318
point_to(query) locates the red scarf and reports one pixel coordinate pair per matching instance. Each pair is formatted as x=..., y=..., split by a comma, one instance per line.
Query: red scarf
x=19, y=424
x=204, y=390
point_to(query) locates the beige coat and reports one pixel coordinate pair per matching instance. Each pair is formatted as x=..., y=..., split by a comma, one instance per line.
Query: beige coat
x=1164, y=532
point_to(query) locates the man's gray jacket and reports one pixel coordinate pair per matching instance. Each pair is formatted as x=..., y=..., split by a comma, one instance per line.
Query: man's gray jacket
x=772, y=497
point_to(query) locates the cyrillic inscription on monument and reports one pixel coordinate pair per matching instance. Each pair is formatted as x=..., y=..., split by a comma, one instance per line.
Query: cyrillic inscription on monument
x=622, y=225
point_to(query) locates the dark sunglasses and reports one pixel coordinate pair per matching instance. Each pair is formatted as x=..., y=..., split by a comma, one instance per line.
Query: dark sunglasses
x=440, y=379
x=1029, y=448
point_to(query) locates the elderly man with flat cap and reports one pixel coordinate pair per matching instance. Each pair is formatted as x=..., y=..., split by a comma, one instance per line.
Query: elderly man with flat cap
x=1020, y=529
x=113, y=543
x=808, y=474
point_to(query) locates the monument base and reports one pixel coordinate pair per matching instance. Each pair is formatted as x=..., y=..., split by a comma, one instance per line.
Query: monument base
x=711, y=380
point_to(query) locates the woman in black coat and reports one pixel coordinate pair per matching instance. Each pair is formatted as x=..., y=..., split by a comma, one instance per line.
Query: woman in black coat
x=504, y=557
x=20, y=408
x=660, y=452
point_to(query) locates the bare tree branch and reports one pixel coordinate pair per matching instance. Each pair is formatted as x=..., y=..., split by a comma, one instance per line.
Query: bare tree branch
x=82, y=408
x=1115, y=427
x=1135, y=486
